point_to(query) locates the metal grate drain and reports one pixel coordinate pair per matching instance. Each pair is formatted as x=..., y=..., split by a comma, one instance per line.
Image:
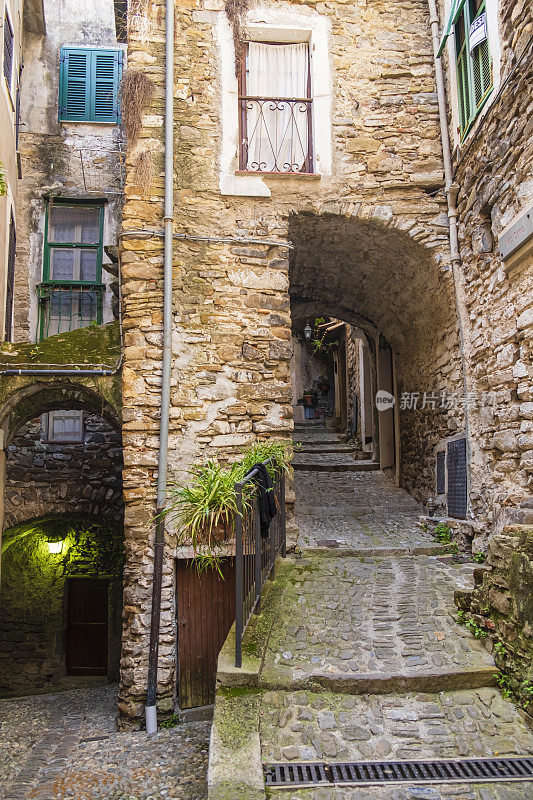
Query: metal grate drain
x=466, y=770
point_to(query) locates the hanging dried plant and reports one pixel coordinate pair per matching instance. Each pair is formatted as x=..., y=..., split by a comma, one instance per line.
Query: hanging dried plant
x=143, y=172
x=136, y=90
x=236, y=11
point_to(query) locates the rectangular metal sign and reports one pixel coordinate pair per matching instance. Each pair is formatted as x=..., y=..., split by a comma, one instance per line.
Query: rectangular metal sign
x=515, y=236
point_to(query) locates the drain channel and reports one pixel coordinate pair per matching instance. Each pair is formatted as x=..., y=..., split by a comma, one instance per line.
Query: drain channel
x=466, y=770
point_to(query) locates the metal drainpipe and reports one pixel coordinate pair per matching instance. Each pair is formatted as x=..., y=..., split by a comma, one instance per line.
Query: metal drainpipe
x=159, y=541
x=452, y=190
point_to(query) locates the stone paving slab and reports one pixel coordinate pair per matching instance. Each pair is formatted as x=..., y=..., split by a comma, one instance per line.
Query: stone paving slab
x=57, y=747
x=348, y=618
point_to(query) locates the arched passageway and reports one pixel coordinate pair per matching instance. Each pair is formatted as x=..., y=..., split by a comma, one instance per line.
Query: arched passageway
x=398, y=303
x=60, y=602
x=62, y=545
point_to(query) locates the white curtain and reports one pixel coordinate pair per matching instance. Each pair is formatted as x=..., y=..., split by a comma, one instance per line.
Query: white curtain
x=277, y=132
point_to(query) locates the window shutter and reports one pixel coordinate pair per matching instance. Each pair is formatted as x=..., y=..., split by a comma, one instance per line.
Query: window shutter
x=463, y=90
x=8, y=51
x=457, y=486
x=481, y=63
x=107, y=66
x=74, y=85
x=10, y=288
x=441, y=472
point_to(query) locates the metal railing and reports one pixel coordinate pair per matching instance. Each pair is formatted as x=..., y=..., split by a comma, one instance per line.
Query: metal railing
x=255, y=555
x=276, y=135
x=66, y=307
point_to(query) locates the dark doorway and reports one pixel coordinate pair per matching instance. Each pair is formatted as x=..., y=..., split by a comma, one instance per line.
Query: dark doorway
x=205, y=607
x=87, y=622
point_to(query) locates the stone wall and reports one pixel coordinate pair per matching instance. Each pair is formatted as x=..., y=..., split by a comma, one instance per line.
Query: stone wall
x=46, y=477
x=501, y=605
x=493, y=171
x=33, y=597
x=369, y=238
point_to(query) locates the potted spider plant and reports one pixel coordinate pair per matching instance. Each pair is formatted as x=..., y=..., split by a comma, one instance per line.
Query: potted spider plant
x=206, y=508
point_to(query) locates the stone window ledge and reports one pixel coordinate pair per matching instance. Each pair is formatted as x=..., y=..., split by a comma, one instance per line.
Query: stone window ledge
x=309, y=176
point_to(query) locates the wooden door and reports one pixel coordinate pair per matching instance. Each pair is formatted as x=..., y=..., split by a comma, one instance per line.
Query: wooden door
x=87, y=612
x=205, y=608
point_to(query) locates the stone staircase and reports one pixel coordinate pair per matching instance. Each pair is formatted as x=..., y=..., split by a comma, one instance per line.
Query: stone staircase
x=317, y=449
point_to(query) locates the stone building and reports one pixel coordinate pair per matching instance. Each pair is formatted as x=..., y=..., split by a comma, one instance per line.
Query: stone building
x=323, y=158
x=62, y=458
x=309, y=181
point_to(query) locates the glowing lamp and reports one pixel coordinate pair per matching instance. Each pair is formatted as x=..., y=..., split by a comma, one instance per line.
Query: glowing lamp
x=307, y=332
x=54, y=548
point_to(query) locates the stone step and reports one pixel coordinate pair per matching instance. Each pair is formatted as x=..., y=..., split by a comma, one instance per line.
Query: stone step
x=376, y=683
x=348, y=466
x=319, y=447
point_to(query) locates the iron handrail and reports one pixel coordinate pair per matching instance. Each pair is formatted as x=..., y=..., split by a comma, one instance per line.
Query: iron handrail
x=255, y=556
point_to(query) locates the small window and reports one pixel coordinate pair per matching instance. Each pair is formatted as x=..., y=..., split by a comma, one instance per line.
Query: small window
x=8, y=51
x=88, y=85
x=10, y=285
x=62, y=426
x=474, y=63
x=275, y=108
x=71, y=294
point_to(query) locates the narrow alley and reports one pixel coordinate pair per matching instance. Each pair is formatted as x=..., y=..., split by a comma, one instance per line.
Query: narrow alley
x=367, y=662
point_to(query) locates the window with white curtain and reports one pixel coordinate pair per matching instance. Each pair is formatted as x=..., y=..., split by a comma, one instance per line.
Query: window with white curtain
x=275, y=106
x=62, y=426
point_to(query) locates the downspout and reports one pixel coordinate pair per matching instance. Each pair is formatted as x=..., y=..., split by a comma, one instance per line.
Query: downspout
x=159, y=541
x=452, y=190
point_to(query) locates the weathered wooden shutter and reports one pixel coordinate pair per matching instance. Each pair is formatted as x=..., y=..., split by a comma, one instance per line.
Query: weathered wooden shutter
x=10, y=288
x=74, y=86
x=8, y=51
x=457, y=484
x=481, y=64
x=441, y=472
x=106, y=67
x=88, y=85
x=463, y=90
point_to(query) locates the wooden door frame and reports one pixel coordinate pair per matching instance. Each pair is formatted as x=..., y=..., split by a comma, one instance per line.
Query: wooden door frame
x=108, y=581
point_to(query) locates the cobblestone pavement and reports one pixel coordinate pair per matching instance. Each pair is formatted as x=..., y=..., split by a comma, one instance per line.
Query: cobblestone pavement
x=54, y=747
x=371, y=615
x=380, y=615
x=305, y=726
x=359, y=510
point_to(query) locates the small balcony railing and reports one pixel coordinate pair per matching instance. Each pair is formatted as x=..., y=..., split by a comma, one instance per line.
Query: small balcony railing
x=276, y=135
x=66, y=307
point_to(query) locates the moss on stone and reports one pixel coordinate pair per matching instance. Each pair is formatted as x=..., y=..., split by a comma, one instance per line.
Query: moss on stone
x=236, y=715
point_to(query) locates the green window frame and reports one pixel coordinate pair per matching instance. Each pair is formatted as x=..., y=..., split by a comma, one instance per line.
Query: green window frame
x=474, y=69
x=88, y=85
x=81, y=300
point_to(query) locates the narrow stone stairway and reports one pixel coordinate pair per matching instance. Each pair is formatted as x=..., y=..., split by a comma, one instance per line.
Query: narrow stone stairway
x=366, y=661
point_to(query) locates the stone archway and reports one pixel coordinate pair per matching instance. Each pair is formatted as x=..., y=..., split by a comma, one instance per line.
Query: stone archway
x=375, y=276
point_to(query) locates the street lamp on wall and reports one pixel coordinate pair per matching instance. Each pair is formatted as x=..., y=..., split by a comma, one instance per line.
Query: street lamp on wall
x=55, y=547
x=307, y=332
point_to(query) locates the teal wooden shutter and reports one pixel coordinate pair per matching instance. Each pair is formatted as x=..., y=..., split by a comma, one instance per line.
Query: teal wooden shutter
x=107, y=68
x=88, y=85
x=463, y=89
x=74, y=85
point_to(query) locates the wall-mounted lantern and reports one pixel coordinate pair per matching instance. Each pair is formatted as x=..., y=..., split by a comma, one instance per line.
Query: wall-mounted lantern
x=55, y=547
x=307, y=332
